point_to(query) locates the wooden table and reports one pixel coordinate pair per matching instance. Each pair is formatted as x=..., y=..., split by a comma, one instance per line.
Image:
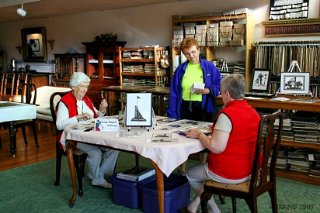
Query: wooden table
x=14, y=111
x=294, y=103
x=164, y=156
x=159, y=91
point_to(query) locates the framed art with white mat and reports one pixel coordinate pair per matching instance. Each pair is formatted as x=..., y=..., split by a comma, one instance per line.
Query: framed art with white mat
x=294, y=82
x=138, y=111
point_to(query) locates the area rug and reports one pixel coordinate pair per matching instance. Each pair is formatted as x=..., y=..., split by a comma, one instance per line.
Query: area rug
x=31, y=189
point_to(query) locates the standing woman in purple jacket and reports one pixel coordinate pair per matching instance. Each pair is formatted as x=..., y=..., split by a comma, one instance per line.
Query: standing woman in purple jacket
x=184, y=102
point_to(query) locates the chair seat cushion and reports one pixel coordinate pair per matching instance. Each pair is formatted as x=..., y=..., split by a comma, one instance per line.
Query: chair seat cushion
x=44, y=110
x=241, y=187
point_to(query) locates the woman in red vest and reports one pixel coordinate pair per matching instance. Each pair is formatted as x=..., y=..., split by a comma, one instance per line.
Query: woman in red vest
x=75, y=107
x=232, y=144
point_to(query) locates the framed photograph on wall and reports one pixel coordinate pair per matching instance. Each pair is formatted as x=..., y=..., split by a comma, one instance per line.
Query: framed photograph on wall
x=295, y=82
x=260, y=80
x=138, y=110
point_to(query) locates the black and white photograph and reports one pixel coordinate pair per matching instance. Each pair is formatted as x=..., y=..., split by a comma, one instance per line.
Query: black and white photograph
x=295, y=83
x=260, y=80
x=139, y=109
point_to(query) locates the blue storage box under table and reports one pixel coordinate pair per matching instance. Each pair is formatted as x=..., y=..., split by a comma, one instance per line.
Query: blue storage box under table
x=176, y=194
x=127, y=193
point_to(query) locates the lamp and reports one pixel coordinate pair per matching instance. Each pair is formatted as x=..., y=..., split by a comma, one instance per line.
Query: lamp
x=21, y=11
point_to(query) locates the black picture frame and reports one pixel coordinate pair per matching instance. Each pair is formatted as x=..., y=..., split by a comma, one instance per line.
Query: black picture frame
x=260, y=80
x=31, y=37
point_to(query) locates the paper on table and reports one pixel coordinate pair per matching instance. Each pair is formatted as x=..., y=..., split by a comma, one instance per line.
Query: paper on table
x=280, y=99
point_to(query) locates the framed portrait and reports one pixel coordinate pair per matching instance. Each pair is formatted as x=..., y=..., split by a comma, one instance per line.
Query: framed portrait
x=138, y=110
x=34, y=44
x=260, y=80
x=224, y=74
x=294, y=82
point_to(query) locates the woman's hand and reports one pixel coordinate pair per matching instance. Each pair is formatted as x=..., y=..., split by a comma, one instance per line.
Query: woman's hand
x=193, y=133
x=103, y=106
x=83, y=116
x=202, y=91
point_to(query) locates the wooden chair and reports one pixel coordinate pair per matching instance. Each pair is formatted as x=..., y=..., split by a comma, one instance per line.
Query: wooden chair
x=26, y=90
x=263, y=176
x=8, y=84
x=3, y=76
x=25, y=97
x=78, y=156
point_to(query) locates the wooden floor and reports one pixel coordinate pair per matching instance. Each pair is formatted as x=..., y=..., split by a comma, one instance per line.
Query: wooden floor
x=28, y=153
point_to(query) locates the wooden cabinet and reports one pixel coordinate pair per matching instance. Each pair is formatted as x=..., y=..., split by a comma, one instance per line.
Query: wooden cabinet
x=227, y=37
x=65, y=65
x=147, y=66
x=102, y=66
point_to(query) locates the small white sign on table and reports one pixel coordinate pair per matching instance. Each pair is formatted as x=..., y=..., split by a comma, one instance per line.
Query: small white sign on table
x=106, y=124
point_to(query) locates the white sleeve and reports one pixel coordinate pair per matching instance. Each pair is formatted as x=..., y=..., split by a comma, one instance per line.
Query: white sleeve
x=223, y=123
x=63, y=119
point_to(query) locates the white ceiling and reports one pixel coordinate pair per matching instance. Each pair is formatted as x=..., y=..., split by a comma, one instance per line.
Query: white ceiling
x=47, y=8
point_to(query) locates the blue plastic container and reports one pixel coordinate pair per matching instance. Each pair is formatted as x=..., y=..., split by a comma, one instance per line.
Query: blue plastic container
x=176, y=194
x=128, y=193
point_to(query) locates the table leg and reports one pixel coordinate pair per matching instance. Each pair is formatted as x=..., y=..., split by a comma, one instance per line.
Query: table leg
x=161, y=104
x=12, y=133
x=160, y=187
x=71, y=145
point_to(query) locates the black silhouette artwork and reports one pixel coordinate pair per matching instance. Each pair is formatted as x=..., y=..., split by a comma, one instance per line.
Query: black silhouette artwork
x=293, y=84
x=137, y=114
x=261, y=80
x=30, y=49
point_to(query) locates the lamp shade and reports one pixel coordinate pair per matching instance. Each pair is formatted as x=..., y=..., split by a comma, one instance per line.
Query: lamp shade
x=21, y=12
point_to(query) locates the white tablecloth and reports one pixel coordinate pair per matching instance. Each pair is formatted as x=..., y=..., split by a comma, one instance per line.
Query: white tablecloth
x=167, y=155
x=13, y=111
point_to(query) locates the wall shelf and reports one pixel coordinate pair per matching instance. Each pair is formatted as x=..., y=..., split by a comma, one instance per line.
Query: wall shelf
x=310, y=26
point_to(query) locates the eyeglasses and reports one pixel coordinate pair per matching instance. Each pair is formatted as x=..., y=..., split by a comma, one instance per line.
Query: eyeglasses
x=191, y=53
x=82, y=87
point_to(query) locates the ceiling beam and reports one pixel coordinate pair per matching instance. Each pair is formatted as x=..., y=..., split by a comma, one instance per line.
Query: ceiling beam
x=7, y=3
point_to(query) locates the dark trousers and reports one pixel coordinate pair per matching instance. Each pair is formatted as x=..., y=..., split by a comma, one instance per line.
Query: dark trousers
x=192, y=110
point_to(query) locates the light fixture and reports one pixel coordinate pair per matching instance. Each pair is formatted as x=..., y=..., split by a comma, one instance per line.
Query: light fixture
x=21, y=11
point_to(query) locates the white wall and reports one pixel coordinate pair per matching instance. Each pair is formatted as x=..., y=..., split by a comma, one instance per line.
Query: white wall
x=139, y=26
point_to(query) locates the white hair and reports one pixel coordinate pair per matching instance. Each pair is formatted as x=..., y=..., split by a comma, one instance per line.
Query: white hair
x=77, y=78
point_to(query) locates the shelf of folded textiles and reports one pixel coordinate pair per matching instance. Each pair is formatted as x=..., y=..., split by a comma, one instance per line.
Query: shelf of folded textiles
x=298, y=176
x=229, y=45
x=137, y=74
x=140, y=60
x=311, y=146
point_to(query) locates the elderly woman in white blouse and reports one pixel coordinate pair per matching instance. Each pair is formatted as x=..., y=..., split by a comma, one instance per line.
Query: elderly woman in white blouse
x=75, y=107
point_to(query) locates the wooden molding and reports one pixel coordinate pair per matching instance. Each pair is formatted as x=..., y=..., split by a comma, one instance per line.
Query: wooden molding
x=300, y=27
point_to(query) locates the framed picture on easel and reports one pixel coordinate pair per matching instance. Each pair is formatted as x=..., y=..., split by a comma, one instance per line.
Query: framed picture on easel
x=138, y=110
x=295, y=82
